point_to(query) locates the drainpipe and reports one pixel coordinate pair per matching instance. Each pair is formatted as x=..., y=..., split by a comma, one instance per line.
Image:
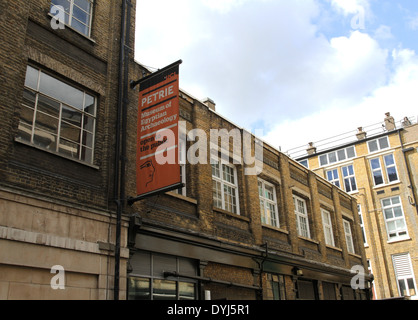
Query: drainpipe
x=120, y=144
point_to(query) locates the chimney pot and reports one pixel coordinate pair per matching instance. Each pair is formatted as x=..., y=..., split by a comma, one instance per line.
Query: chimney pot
x=389, y=122
x=361, y=134
x=210, y=103
x=311, y=149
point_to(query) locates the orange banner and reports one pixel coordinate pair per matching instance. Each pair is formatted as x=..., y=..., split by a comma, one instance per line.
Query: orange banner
x=157, y=162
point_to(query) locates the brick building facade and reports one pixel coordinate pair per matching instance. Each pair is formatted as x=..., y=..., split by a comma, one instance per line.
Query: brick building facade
x=379, y=169
x=59, y=100
x=67, y=167
x=268, y=242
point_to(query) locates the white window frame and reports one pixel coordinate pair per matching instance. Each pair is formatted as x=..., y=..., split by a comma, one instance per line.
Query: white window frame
x=268, y=215
x=327, y=224
x=302, y=219
x=375, y=170
x=85, y=146
x=350, y=178
x=379, y=148
x=363, y=229
x=182, y=163
x=399, y=232
x=337, y=157
x=390, y=166
x=348, y=236
x=304, y=163
x=70, y=15
x=224, y=186
x=335, y=180
x=404, y=271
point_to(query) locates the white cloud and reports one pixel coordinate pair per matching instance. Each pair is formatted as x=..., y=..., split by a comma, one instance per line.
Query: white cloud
x=383, y=33
x=266, y=63
x=350, y=6
x=399, y=97
x=223, y=6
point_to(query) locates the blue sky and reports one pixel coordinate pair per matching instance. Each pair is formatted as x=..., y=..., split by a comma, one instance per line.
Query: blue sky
x=300, y=70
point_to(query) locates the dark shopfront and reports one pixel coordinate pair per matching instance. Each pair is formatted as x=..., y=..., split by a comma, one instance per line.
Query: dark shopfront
x=165, y=265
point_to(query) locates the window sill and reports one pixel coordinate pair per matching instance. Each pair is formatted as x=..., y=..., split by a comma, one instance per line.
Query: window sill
x=386, y=185
x=231, y=214
x=354, y=255
x=267, y=226
x=56, y=154
x=309, y=239
x=72, y=29
x=181, y=197
x=334, y=248
x=399, y=240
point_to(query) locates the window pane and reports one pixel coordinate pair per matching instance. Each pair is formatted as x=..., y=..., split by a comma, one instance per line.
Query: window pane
x=138, y=289
x=411, y=287
x=48, y=106
x=29, y=98
x=70, y=132
x=72, y=116
x=391, y=226
x=373, y=146
x=63, y=3
x=186, y=291
x=347, y=185
x=80, y=15
x=341, y=154
x=46, y=123
x=350, y=152
x=388, y=213
x=45, y=139
x=61, y=91
x=80, y=27
x=164, y=290
x=400, y=224
x=215, y=170
x=216, y=193
x=228, y=174
x=83, y=4
x=262, y=212
x=332, y=157
x=31, y=80
x=87, y=139
x=392, y=174
x=69, y=148
x=389, y=160
x=329, y=175
x=386, y=202
x=353, y=184
x=90, y=106
x=25, y=124
x=402, y=287
x=86, y=154
x=375, y=163
x=378, y=178
x=269, y=193
x=397, y=211
x=395, y=200
x=383, y=143
x=323, y=160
